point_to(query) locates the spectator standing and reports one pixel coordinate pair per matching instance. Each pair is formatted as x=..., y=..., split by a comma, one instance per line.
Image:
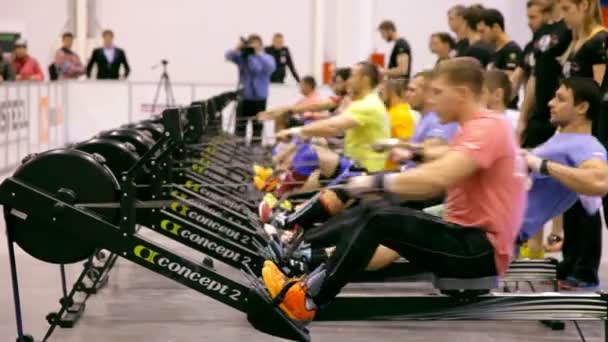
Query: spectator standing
x=282, y=59
x=400, y=60
x=255, y=67
x=108, y=60
x=26, y=67
x=67, y=62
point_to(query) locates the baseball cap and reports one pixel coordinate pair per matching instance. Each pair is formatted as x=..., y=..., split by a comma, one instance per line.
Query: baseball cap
x=21, y=43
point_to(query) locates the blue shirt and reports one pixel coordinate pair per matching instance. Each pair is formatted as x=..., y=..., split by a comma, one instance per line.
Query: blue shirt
x=429, y=126
x=548, y=197
x=109, y=53
x=254, y=73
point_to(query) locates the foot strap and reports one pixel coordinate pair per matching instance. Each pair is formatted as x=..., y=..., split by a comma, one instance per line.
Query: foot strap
x=281, y=296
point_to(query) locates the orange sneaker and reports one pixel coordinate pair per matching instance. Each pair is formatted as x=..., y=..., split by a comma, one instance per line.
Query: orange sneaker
x=294, y=301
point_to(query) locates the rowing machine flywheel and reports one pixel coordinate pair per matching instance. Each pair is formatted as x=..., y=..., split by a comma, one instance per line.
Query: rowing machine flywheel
x=73, y=177
x=119, y=156
x=140, y=140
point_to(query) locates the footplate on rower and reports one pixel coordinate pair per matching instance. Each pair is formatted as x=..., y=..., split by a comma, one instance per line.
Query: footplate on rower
x=269, y=319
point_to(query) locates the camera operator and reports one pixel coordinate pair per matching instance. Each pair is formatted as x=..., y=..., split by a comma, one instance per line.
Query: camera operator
x=255, y=68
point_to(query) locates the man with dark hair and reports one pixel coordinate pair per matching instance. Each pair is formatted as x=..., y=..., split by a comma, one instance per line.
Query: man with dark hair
x=508, y=55
x=477, y=49
x=364, y=121
x=282, y=58
x=458, y=25
x=400, y=60
x=108, y=60
x=569, y=167
x=309, y=82
x=441, y=45
x=333, y=103
x=484, y=178
x=255, y=67
x=67, y=63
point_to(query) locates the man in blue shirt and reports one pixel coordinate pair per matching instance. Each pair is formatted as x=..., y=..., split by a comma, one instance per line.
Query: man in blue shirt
x=569, y=167
x=255, y=69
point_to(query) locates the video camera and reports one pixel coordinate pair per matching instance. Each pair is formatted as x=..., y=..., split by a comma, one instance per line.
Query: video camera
x=246, y=50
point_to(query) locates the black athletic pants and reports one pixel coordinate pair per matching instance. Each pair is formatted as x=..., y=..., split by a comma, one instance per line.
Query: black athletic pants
x=248, y=109
x=444, y=248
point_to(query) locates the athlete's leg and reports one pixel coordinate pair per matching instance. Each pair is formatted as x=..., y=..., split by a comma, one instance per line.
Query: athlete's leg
x=443, y=248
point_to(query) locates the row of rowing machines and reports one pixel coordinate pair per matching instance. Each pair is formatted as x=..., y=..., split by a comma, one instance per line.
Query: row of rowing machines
x=180, y=177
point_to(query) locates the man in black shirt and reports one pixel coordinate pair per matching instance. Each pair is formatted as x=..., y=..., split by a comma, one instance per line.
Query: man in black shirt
x=282, y=58
x=508, y=55
x=552, y=41
x=536, y=19
x=477, y=49
x=400, y=60
x=108, y=60
x=458, y=25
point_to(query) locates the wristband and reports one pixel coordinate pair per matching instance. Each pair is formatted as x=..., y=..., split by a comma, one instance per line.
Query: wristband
x=544, y=169
x=417, y=154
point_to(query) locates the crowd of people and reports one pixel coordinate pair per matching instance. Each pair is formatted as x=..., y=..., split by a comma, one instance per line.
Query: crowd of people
x=107, y=59
x=450, y=138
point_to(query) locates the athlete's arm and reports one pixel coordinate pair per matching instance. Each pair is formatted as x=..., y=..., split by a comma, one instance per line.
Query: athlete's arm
x=526, y=108
x=403, y=60
x=428, y=153
x=598, y=73
x=426, y=181
x=589, y=178
x=326, y=104
x=321, y=128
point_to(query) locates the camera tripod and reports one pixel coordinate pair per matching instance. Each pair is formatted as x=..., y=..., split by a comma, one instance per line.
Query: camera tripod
x=164, y=82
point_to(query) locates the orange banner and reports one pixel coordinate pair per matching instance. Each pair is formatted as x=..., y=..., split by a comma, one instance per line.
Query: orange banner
x=44, y=120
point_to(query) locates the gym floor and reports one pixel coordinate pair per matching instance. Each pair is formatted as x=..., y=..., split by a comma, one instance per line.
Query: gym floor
x=138, y=305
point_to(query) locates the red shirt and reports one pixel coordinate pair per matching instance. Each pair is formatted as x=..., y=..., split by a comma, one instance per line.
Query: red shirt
x=494, y=197
x=28, y=68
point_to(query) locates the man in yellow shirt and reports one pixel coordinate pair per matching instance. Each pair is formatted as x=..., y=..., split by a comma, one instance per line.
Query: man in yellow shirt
x=363, y=122
x=399, y=112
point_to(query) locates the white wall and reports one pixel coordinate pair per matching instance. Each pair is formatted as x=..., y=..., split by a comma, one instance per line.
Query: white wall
x=417, y=20
x=41, y=22
x=194, y=34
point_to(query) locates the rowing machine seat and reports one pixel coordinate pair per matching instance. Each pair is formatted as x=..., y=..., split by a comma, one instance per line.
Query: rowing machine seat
x=465, y=284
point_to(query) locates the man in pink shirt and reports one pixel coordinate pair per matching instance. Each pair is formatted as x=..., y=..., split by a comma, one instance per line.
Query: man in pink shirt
x=484, y=178
x=27, y=68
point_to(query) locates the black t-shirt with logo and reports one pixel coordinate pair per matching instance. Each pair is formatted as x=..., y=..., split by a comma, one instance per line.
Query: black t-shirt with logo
x=508, y=58
x=593, y=52
x=282, y=59
x=551, y=42
x=480, y=51
x=460, y=48
x=401, y=46
x=580, y=63
x=528, y=60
